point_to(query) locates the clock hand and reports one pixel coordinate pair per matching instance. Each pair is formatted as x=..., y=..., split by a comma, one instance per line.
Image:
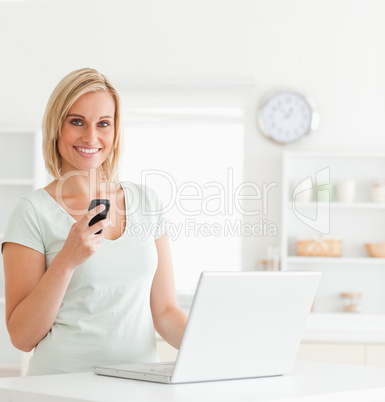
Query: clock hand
x=289, y=113
x=283, y=111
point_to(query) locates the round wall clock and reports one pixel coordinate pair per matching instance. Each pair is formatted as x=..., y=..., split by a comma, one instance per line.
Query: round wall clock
x=287, y=116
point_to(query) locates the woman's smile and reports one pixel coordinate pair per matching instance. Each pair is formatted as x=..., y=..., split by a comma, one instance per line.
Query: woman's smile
x=87, y=152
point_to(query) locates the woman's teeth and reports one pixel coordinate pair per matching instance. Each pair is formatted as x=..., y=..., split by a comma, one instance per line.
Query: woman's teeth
x=88, y=151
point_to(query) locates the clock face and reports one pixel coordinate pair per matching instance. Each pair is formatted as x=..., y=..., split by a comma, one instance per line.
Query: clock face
x=286, y=117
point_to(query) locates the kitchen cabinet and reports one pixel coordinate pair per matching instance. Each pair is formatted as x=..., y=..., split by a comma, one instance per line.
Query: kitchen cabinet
x=166, y=352
x=344, y=353
x=362, y=354
x=333, y=353
x=375, y=355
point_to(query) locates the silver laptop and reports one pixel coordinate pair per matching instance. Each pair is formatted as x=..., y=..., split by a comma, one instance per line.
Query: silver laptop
x=241, y=325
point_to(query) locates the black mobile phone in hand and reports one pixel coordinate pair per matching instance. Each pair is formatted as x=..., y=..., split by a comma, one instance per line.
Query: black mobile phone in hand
x=101, y=215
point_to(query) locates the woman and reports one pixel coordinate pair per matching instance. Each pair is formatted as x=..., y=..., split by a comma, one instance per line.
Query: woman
x=81, y=298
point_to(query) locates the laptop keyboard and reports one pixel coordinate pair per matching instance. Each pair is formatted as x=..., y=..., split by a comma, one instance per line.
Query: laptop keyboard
x=159, y=368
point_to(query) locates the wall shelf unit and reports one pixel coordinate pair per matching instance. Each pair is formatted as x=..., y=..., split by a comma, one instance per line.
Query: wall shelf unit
x=355, y=223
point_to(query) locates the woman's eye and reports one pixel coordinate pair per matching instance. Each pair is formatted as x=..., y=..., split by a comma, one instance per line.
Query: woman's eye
x=104, y=124
x=76, y=122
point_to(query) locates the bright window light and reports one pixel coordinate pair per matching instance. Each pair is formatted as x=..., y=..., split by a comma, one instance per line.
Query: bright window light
x=195, y=169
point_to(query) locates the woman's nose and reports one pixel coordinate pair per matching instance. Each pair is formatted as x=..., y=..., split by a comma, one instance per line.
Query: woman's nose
x=90, y=135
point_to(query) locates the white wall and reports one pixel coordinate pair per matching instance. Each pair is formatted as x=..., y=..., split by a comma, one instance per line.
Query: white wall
x=331, y=50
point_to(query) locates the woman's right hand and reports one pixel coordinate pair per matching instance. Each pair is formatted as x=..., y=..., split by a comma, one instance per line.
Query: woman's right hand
x=82, y=241
x=33, y=293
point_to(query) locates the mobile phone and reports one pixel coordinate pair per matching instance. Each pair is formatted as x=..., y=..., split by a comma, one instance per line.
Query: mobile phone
x=101, y=215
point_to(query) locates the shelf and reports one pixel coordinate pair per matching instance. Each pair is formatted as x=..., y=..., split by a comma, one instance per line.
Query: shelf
x=9, y=366
x=17, y=182
x=338, y=205
x=336, y=260
x=18, y=130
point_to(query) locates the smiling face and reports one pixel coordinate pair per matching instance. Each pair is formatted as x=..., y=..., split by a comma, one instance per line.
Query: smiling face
x=87, y=133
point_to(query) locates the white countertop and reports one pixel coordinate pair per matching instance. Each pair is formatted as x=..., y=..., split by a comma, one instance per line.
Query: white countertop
x=309, y=382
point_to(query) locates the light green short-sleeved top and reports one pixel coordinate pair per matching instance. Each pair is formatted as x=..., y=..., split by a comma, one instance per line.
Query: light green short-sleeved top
x=105, y=315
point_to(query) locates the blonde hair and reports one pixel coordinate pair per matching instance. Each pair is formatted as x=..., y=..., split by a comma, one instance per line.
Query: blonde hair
x=66, y=93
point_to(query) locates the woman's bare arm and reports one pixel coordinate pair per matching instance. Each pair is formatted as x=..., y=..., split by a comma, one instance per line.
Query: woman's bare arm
x=32, y=296
x=169, y=319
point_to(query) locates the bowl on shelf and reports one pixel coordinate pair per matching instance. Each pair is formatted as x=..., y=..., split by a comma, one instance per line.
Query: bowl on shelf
x=376, y=249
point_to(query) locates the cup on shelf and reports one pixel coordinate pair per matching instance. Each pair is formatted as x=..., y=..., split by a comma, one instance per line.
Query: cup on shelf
x=262, y=265
x=304, y=196
x=377, y=189
x=302, y=191
x=346, y=191
x=324, y=192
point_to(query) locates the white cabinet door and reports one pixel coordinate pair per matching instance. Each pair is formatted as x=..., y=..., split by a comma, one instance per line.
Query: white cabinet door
x=166, y=352
x=342, y=353
x=375, y=355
